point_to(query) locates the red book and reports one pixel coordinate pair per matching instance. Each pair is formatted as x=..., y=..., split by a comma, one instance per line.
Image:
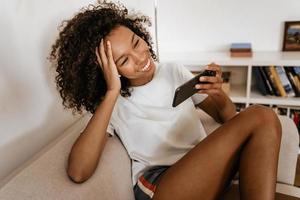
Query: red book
x=241, y=54
x=296, y=118
x=240, y=50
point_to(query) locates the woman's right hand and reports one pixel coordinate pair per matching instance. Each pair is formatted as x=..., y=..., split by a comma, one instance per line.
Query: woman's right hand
x=108, y=66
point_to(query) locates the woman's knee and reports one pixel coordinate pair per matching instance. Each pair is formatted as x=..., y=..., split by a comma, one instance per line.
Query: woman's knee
x=267, y=117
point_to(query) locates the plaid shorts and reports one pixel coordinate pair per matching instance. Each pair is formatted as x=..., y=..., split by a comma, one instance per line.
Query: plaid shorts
x=145, y=187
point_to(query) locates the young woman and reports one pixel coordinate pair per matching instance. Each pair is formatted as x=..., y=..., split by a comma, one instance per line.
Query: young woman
x=106, y=66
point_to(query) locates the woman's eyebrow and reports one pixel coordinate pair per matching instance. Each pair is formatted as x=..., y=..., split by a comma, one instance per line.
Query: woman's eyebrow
x=132, y=38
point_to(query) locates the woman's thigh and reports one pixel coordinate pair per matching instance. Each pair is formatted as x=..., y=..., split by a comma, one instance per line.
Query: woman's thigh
x=206, y=169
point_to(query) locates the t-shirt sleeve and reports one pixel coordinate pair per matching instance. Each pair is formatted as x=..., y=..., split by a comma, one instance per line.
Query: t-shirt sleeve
x=186, y=75
x=110, y=129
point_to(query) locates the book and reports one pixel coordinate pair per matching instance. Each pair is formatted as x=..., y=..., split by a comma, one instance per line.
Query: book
x=278, y=83
x=260, y=84
x=297, y=71
x=240, y=47
x=293, y=80
x=240, y=50
x=271, y=80
x=296, y=75
x=285, y=81
x=266, y=81
x=295, y=115
x=241, y=54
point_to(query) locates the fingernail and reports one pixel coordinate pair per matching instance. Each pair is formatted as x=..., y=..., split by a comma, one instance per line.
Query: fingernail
x=202, y=79
x=197, y=86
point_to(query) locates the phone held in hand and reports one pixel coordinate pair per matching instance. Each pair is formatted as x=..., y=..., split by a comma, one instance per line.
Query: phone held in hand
x=187, y=89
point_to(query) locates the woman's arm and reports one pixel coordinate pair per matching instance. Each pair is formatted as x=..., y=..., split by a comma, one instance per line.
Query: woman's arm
x=218, y=105
x=87, y=149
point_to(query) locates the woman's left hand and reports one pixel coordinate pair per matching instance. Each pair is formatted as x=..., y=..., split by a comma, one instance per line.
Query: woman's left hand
x=214, y=85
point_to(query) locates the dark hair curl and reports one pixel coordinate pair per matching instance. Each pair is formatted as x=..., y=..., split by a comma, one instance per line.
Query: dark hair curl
x=80, y=80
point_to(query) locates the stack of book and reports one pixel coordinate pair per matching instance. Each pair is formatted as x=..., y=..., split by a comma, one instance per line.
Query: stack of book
x=278, y=80
x=240, y=50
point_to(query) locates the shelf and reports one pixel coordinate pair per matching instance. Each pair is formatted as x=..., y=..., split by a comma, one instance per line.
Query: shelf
x=243, y=88
x=241, y=68
x=239, y=100
x=238, y=93
x=223, y=58
x=256, y=97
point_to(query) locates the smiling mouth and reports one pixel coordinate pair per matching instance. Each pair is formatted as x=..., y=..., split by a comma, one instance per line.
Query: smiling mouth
x=146, y=67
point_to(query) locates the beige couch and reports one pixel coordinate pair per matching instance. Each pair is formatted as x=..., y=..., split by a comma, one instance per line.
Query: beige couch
x=44, y=176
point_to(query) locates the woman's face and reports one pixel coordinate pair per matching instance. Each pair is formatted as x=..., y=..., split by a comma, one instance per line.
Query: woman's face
x=131, y=55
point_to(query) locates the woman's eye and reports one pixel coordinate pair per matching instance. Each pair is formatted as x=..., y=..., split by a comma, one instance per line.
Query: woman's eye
x=124, y=61
x=136, y=43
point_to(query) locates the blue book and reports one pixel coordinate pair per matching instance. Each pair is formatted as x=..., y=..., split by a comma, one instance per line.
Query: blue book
x=285, y=81
x=260, y=85
x=240, y=46
x=297, y=70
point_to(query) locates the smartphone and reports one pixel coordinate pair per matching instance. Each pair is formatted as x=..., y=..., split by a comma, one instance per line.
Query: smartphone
x=187, y=89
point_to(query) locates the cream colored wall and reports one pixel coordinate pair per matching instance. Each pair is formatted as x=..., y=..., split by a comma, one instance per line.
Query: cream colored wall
x=211, y=25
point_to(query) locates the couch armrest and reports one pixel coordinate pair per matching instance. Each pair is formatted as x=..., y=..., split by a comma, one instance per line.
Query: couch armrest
x=288, y=151
x=289, y=146
x=45, y=177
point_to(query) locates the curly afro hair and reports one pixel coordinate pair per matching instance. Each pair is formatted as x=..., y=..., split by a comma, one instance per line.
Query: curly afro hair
x=80, y=80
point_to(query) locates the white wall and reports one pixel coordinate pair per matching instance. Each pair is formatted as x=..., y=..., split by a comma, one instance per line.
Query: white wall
x=211, y=25
x=31, y=114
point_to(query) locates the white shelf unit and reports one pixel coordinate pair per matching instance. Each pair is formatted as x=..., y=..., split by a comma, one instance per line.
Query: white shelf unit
x=242, y=88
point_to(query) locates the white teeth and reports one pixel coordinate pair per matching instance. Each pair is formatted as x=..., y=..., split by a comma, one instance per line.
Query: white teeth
x=146, y=66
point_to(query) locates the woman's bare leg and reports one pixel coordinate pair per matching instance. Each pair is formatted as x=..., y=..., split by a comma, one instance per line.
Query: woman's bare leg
x=249, y=142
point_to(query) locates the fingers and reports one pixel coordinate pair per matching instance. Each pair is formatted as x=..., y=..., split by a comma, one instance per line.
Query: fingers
x=106, y=56
x=211, y=79
x=216, y=68
x=214, y=82
x=209, y=92
x=109, y=53
x=98, y=57
x=208, y=86
x=103, y=54
x=111, y=58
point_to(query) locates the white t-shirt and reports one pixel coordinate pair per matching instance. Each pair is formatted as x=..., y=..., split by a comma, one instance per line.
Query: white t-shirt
x=152, y=131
